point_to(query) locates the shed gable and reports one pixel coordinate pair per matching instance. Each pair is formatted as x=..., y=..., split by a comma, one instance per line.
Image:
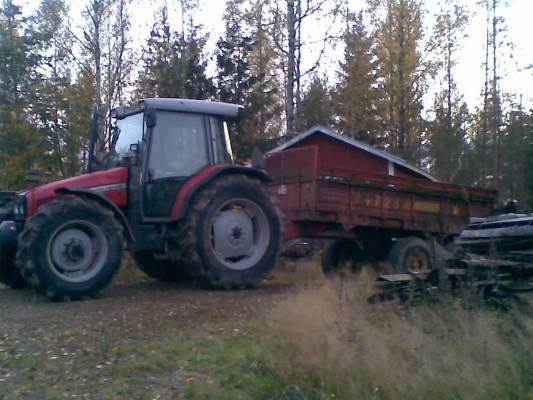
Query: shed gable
x=343, y=152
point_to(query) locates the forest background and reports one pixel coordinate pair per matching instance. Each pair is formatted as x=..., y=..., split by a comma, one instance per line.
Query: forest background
x=388, y=73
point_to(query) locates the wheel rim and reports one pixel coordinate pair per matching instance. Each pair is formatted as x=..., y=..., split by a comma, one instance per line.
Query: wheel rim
x=417, y=261
x=240, y=234
x=77, y=251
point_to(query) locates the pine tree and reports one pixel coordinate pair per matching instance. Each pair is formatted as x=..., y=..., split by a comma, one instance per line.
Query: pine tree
x=448, y=130
x=316, y=107
x=174, y=64
x=17, y=131
x=52, y=80
x=403, y=73
x=266, y=104
x=489, y=131
x=234, y=76
x=448, y=139
x=356, y=97
x=235, y=80
x=79, y=99
x=516, y=156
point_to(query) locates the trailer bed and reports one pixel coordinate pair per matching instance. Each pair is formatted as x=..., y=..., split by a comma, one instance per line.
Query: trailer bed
x=321, y=199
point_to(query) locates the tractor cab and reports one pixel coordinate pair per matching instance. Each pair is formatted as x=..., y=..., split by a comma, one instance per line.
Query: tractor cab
x=165, y=142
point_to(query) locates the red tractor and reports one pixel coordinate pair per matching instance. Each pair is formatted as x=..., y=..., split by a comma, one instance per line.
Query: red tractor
x=169, y=193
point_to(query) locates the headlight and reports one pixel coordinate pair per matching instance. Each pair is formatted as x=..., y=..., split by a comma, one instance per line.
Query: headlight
x=19, y=210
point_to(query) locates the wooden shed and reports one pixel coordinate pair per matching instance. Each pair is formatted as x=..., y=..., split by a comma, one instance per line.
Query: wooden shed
x=339, y=151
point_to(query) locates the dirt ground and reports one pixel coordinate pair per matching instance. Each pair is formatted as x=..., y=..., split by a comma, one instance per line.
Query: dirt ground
x=139, y=308
x=41, y=341
x=142, y=306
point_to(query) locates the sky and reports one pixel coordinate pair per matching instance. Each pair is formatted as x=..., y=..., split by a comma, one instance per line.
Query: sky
x=515, y=77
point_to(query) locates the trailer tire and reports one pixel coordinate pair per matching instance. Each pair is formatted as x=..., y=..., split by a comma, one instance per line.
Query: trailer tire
x=342, y=257
x=161, y=270
x=10, y=275
x=70, y=249
x=232, y=234
x=411, y=255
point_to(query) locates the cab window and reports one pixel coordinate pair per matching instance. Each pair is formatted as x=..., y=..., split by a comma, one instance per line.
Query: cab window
x=178, y=146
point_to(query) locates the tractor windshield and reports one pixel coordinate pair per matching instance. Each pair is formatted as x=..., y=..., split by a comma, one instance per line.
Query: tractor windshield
x=130, y=131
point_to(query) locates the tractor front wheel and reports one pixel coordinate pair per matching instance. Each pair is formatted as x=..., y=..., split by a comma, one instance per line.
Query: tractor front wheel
x=71, y=248
x=233, y=233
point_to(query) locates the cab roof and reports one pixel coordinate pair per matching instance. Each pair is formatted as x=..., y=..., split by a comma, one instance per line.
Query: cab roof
x=220, y=109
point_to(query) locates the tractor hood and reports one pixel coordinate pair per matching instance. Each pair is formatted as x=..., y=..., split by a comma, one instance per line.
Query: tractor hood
x=111, y=183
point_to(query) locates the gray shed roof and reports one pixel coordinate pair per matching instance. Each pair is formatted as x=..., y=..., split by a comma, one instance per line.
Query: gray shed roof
x=355, y=143
x=195, y=106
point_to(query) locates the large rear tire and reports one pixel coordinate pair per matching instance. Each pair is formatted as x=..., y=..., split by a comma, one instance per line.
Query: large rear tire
x=232, y=235
x=70, y=249
x=161, y=270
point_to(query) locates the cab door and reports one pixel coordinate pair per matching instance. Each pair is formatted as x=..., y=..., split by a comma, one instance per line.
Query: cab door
x=178, y=148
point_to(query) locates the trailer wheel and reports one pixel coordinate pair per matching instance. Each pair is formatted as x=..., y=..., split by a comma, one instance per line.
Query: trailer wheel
x=341, y=258
x=411, y=254
x=161, y=270
x=70, y=248
x=10, y=275
x=232, y=235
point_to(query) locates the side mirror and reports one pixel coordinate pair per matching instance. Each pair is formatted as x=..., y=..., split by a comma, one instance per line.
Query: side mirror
x=150, y=118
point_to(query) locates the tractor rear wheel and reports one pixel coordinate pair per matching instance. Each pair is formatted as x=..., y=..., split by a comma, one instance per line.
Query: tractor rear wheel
x=71, y=248
x=411, y=255
x=232, y=235
x=161, y=270
x=10, y=275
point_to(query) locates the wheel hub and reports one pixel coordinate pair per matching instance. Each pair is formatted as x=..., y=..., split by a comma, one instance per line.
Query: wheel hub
x=417, y=261
x=233, y=234
x=72, y=249
x=77, y=251
x=240, y=234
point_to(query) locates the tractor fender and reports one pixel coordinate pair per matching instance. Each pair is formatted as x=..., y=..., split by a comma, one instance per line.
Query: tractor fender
x=203, y=178
x=119, y=215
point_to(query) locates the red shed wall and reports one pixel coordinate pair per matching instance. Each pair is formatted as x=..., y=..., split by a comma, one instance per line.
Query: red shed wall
x=334, y=153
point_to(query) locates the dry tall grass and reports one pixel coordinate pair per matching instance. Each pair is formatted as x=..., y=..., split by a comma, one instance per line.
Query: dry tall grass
x=340, y=344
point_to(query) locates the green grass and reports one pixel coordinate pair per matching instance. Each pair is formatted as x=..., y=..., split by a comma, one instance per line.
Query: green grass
x=320, y=343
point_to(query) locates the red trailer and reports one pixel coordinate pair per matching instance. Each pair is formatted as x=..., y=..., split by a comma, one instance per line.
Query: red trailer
x=372, y=204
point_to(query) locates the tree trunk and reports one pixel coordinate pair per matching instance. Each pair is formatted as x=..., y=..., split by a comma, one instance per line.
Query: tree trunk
x=289, y=90
x=97, y=56
x=496, y=100
x=485, y=116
